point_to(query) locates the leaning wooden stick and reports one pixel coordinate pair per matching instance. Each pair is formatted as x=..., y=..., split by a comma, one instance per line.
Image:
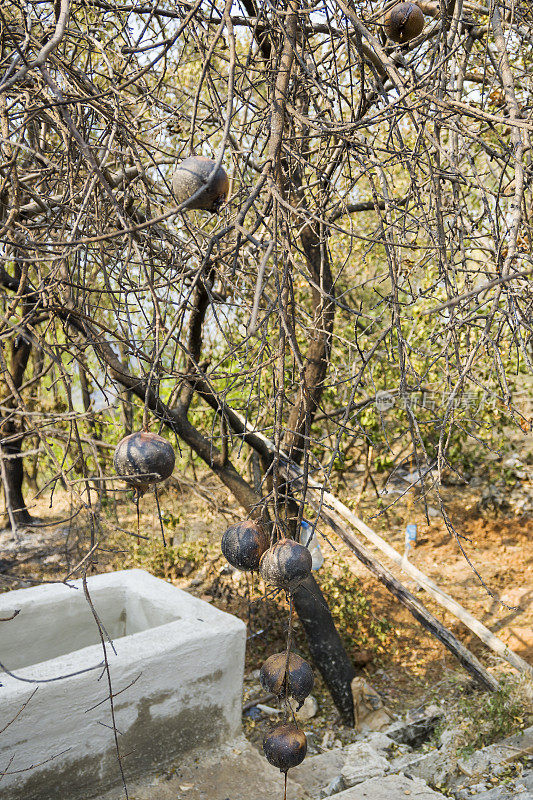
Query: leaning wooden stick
x=293, y=473
x=414, y=606
x=477, y=627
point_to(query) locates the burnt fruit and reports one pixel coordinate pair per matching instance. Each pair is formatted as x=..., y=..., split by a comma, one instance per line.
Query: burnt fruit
x=285, y=746
x=404, y=22
x=276, y=675
x=286, y=564
x=143, y=459
x=243, y=544
x=193, y=174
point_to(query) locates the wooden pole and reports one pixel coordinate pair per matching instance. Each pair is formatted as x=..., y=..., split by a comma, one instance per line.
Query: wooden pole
x=414, y=606
x=451, y=605
x=327, y=501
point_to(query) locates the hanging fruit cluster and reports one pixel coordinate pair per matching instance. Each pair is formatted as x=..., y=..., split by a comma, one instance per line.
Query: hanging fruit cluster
x=195, y=174
x=404, y=22
x=284, y=565
x=143, y=459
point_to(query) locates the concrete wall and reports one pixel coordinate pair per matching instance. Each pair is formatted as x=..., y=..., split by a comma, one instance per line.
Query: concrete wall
x=183, y=658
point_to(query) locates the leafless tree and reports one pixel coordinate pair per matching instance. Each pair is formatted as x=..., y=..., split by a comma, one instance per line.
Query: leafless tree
x=376, y=238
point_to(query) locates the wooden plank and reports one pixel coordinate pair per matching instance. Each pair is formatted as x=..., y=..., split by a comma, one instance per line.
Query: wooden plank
x=326, y=501
x=414, y=606
x=451, y=605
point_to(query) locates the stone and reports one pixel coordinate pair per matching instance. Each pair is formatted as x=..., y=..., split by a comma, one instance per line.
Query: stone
x=444, y=768
x=486, y=760
x=326, y=739
x=415, y=732
x=333, y=787
x=390, y=787
x=176, y=668
x=362, y=762
x=317, y=772
x=369, y=711
x=435, y=767
x=512, y=791
x=381, y=743
x=448, y=737
x=408, y=762
x=308, y=709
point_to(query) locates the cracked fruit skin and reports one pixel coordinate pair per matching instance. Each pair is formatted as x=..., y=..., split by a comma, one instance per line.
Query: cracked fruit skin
x=286, y=565
x=191, y=175
x=404, y=22
x=300, y=678
x=243, y=544
x=143, y=459
x=285, y=746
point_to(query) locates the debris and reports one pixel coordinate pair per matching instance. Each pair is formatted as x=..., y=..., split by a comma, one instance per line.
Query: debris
x=268, y=709
x=370, y=713
x=253, y=703
x=308, y=709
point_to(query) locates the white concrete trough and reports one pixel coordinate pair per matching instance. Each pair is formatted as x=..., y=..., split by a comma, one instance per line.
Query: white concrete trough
x=176, y=675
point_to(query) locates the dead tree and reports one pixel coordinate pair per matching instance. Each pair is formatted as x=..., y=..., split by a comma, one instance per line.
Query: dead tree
x=376, y=239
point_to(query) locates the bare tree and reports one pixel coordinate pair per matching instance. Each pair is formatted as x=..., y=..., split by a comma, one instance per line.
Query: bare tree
x=376, y=238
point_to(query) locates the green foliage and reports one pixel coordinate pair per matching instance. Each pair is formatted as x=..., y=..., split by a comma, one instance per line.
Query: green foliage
x=177, y=559
x=351, y=609
x=479, y=719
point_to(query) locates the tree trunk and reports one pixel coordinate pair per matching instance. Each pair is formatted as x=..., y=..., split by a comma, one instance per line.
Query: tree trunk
x=317, y=356
x=12, y=479
x=12, y=469
x=326, y=647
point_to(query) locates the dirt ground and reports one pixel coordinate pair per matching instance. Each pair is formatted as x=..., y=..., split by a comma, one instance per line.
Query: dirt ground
x=409, y=667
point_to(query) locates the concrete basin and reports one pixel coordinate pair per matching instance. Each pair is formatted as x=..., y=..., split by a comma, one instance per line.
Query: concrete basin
x=176, y=667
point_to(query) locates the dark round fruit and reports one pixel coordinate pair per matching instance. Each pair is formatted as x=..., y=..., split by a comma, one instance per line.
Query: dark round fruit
x=143, y=459
x=191, y=175
x=404, y=22
x=300, y=678
x=244, y=543
x=286, y=564
x=285, y=746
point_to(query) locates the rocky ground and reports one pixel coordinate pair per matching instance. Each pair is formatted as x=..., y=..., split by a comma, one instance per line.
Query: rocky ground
x=389, y=765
